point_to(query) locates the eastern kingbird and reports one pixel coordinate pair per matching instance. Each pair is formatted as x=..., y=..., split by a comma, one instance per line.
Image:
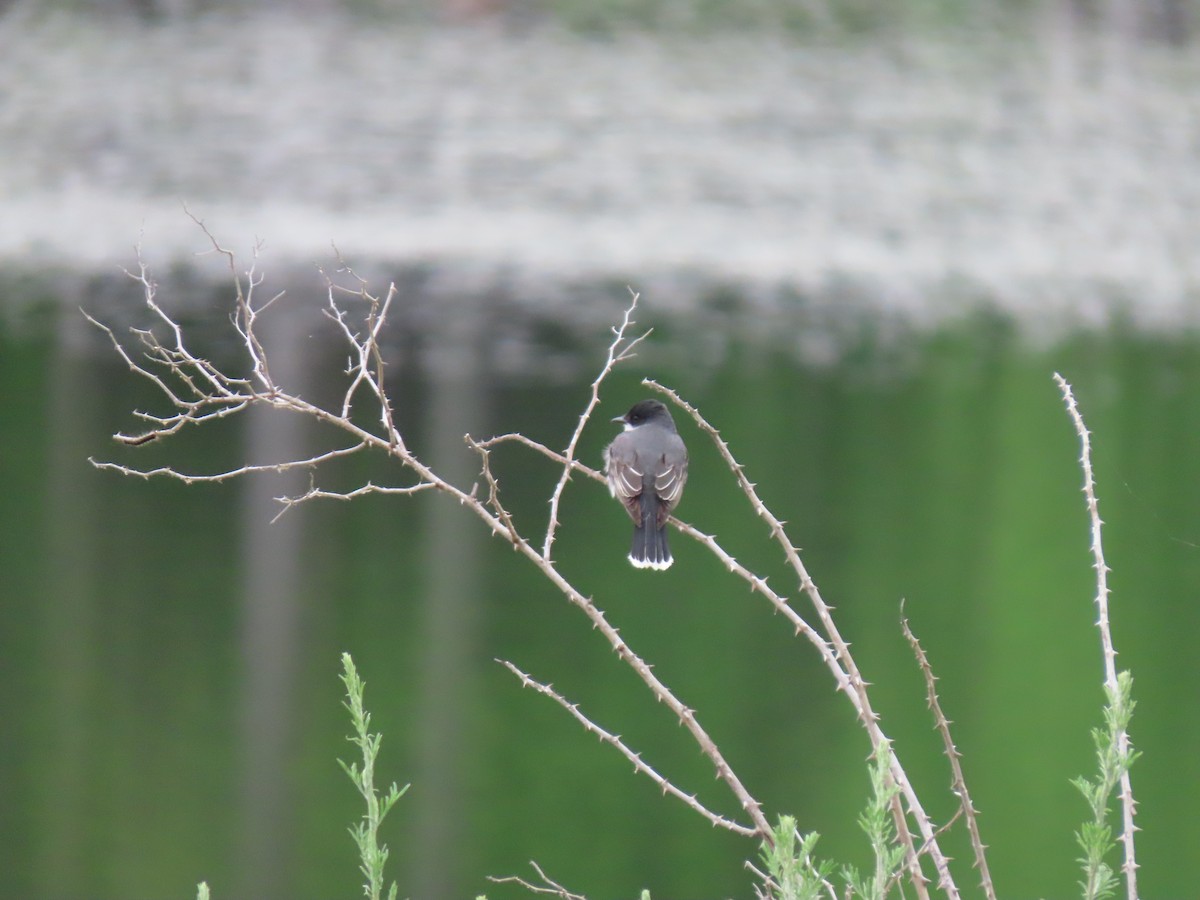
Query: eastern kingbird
x=647, y=467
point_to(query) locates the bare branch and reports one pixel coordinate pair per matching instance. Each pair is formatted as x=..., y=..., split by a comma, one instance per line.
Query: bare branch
x=494, y=490
x=756, y=582
x=287, y=465
x=548, y=886
x=315, y=493
x=618, y=351
x=639, y=764
x=924, y=849
x=958, y=783
x=366, y=369
x=517, y=438
x=245, y=314
x=685, y=715
x=855, y=686
x=1128, y=804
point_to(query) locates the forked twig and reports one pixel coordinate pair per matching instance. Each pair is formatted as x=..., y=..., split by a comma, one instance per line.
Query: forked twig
x=616, y=353
x=639, y=764
x=548, y=886
x=494, y=490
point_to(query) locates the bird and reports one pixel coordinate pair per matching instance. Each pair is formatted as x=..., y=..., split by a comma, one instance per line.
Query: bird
x=647, y=466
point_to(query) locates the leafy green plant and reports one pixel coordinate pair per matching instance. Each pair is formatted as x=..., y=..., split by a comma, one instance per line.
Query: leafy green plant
x=372, y=854
x=876, y=822
x=792, y=870
x=1095, y=836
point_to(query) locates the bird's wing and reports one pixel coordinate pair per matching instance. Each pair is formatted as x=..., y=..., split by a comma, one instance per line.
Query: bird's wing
x=625, y=481
x=668, y=483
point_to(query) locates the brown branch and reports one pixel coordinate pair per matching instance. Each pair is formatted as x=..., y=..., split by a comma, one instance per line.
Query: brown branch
x=548, y=885
x=759, y=585
x=958, y=784
x=924, y=848
x=186, y=478
x=756, y=582
x=639, y=764
x=616, y=354
x=517, y=438
x=494, y=490
x=685, y=715
x=315, y=493
x=855, y=686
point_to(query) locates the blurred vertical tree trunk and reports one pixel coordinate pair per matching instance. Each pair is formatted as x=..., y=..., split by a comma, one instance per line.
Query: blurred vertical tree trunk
x=69, y=679
x=273, y=607
x=453, y=601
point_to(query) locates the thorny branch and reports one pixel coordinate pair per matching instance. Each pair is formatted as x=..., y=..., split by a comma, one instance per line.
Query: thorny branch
x=204, y=385
x=618, y=351
x=1128, y=804
x=841, y=663
x=198, y=391
x=958, y=784
x=639, y=764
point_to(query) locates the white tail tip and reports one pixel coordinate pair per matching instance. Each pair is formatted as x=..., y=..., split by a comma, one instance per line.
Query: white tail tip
x=657, y=565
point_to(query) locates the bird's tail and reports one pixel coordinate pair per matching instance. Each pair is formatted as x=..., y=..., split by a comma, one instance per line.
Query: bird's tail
x=650, y=550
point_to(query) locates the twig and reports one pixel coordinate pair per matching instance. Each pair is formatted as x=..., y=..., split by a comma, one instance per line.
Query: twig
x=759, y=585
x=518, y=438
x=288, y=465
x=367, y=350
x=958, y=783
x=924, y=848
x=315, y=493
x=549, y=886
x=636, y=758
x=685, y=715
x=494, y=490
x=1128, y=804
x=245, y=315
x=616, y=354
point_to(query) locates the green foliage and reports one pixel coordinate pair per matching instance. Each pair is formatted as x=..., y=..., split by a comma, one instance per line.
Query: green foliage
x=876, y=822
x=202, y=891
x=793, y=872
x=372, y=854
x=1095, y=836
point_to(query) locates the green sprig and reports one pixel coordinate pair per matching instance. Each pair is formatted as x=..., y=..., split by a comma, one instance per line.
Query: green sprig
x=372, y=854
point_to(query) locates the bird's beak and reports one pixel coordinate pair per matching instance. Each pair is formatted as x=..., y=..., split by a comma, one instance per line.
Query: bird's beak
x=618, y=418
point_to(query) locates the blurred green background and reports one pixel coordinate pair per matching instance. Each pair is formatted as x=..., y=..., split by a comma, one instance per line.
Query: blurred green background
x=170, y=694
x=865, y=236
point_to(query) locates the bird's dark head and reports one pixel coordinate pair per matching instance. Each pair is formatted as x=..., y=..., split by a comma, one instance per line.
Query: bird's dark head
x=646, y=411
